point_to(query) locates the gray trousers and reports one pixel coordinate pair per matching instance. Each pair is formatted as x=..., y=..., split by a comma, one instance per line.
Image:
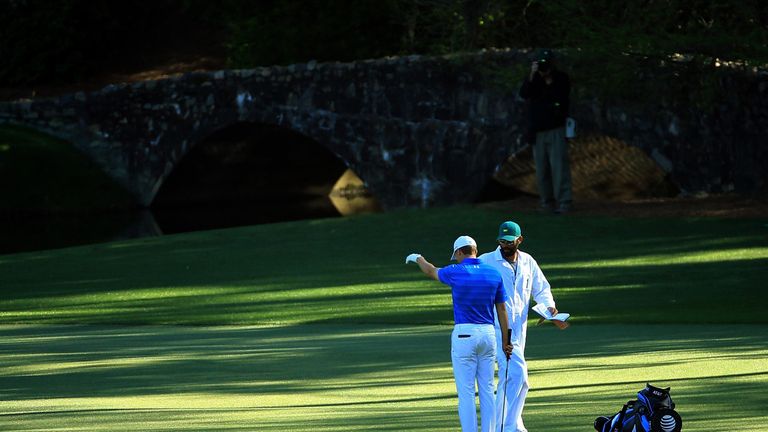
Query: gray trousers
x=553, y=171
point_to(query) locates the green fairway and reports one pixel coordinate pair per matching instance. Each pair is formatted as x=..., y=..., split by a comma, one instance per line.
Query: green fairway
x=363, y=377
x=318, y=325
x=351, y=271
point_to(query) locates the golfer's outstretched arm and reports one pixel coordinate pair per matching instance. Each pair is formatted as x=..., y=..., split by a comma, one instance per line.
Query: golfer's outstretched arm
x=501, y=312
x=427, y=268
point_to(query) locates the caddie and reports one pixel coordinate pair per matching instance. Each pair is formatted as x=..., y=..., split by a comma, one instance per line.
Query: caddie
x=523, y=280
x=476, y=289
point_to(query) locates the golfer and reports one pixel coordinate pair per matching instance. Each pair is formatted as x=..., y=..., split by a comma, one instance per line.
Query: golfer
x=475, y=289
x=523, y=279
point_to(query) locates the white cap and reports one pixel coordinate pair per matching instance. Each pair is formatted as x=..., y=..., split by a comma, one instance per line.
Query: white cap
x=461, y=242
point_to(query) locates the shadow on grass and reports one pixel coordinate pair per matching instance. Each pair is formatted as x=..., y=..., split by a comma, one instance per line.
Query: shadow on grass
x=678, y=356
x=334, y=377
x=86, y=361
x=648, y=293
x=352, y=271
x=712, y=403
x=247, y=419
x=76, y=361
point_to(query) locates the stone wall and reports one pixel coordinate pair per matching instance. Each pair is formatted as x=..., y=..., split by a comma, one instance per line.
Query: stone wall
x=704, y=125
x=420, y=131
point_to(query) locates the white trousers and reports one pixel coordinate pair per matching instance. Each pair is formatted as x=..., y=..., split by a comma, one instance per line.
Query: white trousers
x=473, y=350
x=510, y=398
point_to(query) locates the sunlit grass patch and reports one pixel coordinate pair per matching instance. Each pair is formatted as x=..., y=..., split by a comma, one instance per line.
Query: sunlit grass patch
x=320, y=326
x=321, y=377
x=351, y=270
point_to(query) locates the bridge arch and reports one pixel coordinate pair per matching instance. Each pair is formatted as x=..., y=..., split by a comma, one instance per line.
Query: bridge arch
x=421, y=131
x=268, y=171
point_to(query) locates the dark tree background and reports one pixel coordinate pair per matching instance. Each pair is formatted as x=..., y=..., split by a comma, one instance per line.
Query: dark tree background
x=68, y=40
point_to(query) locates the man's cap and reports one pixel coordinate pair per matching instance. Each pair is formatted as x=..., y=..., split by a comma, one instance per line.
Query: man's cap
x=509, y=231
x=461, y=242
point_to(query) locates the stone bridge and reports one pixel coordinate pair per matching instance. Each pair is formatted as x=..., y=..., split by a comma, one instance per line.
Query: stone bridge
x=419, y=131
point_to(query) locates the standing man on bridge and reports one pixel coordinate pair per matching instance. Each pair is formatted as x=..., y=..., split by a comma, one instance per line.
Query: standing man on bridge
x=547, y=91
x=476, y=288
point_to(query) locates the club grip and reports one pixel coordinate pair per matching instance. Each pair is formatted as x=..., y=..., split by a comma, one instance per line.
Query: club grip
x=509, y=335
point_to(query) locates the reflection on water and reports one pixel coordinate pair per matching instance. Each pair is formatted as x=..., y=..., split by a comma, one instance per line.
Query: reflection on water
x=177, y=220
x=31, y=233
x=244, y=174
x=23, y=233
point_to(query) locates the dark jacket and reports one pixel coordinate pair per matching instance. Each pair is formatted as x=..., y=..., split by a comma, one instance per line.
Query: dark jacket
x=548, y=104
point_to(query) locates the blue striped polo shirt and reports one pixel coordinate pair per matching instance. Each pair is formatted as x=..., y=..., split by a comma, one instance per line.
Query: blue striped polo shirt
x=476, y=288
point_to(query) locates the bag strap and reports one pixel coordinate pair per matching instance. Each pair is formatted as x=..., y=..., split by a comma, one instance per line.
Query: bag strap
x=619, y=425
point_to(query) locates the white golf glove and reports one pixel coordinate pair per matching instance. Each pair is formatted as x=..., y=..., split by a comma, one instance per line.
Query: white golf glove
x=412, y=258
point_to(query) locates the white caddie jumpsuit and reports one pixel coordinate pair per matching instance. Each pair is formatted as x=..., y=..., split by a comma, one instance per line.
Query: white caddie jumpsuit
x=522, y=281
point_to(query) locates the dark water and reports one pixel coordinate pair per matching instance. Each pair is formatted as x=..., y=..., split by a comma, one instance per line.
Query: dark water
x=32, y=233
x=246, y=174
x=23, y=233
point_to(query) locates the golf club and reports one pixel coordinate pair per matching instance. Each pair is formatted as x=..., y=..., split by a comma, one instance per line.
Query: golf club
x=506, y=373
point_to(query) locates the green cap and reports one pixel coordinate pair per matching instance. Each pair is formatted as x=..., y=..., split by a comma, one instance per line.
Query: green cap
x=509, y=231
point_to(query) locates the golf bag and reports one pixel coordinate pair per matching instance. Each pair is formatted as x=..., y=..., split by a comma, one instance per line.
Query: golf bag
x=653, y=411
